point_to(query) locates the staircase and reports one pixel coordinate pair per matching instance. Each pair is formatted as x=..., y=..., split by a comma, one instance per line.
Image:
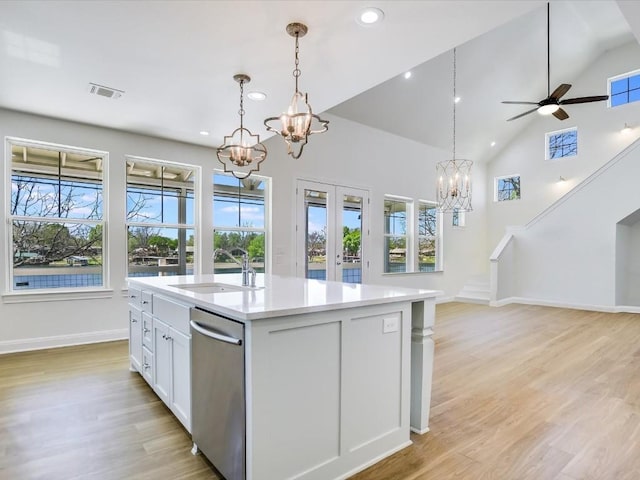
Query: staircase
x=476, y=290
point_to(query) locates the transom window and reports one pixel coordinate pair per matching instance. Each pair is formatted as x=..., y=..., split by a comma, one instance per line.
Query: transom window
x=160, y=217
x=624, y=89
x=507, y=188
x=239, y=221
x=57, y=216
x=562, y=143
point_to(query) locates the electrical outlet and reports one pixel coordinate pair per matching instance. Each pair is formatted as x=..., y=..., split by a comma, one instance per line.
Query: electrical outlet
x=390, y=325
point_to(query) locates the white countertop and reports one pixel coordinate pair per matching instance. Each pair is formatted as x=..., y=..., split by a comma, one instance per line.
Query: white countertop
x=278, y=296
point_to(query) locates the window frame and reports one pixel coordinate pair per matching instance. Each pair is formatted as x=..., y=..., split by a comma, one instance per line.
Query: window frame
x=266, y=229
x=9, y=292
x=197, y=171
x=610, y=80
x=496, y=181
x=437, y=237
x=412, y=236
x=408, y=238
x=547, y=140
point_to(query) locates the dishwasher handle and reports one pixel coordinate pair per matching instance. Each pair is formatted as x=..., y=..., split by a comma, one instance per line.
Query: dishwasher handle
x=216, y=336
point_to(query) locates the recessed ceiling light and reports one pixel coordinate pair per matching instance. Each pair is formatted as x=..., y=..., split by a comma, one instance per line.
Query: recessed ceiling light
x=257, y=96
x=493, y=144
x=370, y=16
x=204, y=133
x=407, y=74
x=456, y=100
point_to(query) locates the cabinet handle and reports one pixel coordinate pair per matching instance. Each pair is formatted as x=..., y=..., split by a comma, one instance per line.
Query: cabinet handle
x=144, y=302
x=146, y=366
x=169, y=338
x=164, y=336
x=146, y=330
x=133, y=320
x=132, y=296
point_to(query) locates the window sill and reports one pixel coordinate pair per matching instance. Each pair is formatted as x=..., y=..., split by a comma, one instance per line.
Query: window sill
x=396, y=274
x=56, y=296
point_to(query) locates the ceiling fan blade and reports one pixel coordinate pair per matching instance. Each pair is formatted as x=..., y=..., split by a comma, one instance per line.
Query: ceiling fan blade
x=522, y=114
x=560, y=114
x=595, y=98
x=560, y=91
x=521, y=103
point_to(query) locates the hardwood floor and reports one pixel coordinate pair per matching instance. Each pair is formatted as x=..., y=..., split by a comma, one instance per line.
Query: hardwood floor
x=78, y=413
x=527, y=392
x=520, y=392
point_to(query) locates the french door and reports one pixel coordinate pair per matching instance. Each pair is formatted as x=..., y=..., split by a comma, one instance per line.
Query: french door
x=332, y=232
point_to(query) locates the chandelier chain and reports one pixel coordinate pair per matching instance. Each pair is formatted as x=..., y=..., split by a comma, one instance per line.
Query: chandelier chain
x=454, y=104
x=296, y=71
x=241, y=111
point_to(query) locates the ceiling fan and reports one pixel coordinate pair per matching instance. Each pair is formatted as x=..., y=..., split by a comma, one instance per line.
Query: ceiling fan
x=552, y=104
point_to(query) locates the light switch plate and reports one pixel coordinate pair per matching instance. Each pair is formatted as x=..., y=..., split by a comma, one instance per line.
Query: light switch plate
x=390, y=325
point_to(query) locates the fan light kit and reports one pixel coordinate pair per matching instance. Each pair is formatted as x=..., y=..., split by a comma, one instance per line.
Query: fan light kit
x=454, y=176
x=296, y=125
x=241, y=153
x=552, y=105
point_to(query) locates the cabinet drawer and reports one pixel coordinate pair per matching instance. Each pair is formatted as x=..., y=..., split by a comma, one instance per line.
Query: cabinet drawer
x=146, y=301
x=172, y=313
x=147, y=365
x=134, y=297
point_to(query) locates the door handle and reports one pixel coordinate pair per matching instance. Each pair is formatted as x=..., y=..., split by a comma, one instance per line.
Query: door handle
x=216, y=336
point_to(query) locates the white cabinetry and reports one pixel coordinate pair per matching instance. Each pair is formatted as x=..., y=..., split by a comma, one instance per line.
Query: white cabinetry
x=171, y=354
x=135, y=330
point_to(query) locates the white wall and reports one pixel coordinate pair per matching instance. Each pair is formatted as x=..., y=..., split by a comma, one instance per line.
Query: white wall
x=359, y=156
x=599, y=140
x=349, y=154
x=31, y=324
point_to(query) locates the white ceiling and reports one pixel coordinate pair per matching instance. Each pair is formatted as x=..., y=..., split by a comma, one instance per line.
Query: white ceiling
x=175, y=60
x=507, y=63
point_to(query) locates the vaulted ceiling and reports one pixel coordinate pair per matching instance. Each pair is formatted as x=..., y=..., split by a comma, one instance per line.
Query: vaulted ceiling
x=175, y=61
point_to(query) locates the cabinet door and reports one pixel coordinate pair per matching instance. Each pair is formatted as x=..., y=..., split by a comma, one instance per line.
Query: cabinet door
x=135, y=338
x=147, y=365
x=181, y=364
x=147, y=331
x=162, y=360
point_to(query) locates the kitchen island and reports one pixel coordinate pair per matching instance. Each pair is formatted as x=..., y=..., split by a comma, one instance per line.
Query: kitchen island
x=335, y=375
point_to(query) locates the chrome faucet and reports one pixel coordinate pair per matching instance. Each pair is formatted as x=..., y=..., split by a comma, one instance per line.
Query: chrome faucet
x=247, y=270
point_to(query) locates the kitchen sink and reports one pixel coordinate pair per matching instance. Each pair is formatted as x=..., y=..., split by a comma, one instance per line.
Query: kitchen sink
x=213, y=287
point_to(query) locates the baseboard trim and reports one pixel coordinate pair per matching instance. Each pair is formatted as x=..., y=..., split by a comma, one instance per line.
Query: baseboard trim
x=574, y=306
x=444, y=300
x=40, y=343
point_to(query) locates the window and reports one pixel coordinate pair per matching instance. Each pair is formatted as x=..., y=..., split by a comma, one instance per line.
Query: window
x=411, y=244
x=240, y=212
x=457, y=218
x=507, y=188
x=562, y=143
x=624, y=89
x=428, y=237
x=57, y=216
x=160, y=217
x=396, y=214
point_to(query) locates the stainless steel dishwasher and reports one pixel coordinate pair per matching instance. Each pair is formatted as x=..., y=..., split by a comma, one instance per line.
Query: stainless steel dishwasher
x=218, y=391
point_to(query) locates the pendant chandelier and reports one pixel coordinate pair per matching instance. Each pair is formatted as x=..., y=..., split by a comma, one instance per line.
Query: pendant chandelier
x=241, y=153
x=297, y=124
x=454, y=176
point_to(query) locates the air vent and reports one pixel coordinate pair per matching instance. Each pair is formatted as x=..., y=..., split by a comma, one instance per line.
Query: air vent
x=103, y=91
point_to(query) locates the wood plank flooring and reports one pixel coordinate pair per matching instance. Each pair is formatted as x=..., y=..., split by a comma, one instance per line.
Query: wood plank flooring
x=526, y=392
x=520, y=392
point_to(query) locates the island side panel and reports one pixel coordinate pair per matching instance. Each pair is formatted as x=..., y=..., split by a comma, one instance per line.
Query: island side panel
x=422, y=352
x=327, y=392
